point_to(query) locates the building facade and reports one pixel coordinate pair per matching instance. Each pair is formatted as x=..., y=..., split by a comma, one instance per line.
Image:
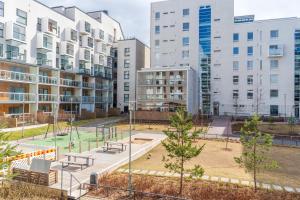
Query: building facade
x=133, y=55
x=243, y=66
x=55, y=58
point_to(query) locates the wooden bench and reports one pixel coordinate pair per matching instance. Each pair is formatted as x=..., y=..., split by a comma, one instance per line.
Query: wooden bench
x=68, y=163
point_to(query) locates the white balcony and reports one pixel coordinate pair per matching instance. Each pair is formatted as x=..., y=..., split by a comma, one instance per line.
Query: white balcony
x=85, y=27
x=9, y=97
x=99, y=35
x=99, y=59
x=17, y=76
x=88, y=100
x=49, y=26
x=70, y=35
x=87, y=42
x=101, y=48
x=276, y=50
x=15, y=56
x=69, y=83
x=47, y=80
x=84, y=55
x=15, y=33
x=88, y=85
x=47, y=98
x=70, y=99
x=44, y=42
x=67, y=49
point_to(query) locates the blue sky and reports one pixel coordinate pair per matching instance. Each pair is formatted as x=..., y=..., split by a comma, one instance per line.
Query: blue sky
x=134, y=14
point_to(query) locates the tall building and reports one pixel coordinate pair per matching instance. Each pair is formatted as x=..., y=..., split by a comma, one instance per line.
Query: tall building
x=243, y=66
x=133, y=55
x=53, y=57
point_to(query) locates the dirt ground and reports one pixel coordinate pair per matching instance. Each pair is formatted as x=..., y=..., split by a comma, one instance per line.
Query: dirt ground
x=218, y=162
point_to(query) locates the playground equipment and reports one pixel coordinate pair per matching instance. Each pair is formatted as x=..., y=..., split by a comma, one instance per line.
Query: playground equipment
x=108, y=132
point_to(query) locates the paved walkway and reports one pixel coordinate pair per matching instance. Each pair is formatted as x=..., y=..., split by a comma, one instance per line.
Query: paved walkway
x=220, y=127
x=104, y=163
x=216, y=179
x=7, y=130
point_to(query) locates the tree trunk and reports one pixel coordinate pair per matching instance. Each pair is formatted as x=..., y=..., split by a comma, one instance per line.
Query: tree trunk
x=254, y=168
x=181, y=177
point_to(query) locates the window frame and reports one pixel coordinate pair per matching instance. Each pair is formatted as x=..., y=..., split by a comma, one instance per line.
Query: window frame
x=185, y=12
x=252, y=36
x=234, y=37
x=20, y=17
x=2, y=8
x=185, y=26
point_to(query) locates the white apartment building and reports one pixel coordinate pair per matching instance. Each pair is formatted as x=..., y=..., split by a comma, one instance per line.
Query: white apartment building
x=133, y=55
x=243, y=66
x=55, y=56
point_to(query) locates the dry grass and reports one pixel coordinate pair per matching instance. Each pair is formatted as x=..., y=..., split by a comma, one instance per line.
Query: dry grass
x=193, y=189
x=218, y=162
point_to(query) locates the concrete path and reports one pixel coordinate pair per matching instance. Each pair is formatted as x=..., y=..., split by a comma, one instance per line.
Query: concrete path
x=8, y=130
x=217, y=179
x=220, y=127
x=104, y=163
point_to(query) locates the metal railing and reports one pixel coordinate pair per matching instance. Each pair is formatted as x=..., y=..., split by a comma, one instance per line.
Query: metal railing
x=13, y=55
x=48, y=80
x=69, y=99
x=102, y=87
x=43, y=62
x=70, y=83
x=17, y=97
x=88, y=85
x=100, y=99
x=17, y=76
x=47, y=98
x=86, y=99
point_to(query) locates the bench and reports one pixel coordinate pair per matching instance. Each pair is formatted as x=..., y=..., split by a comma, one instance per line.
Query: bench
x=67, y=163
x=106, y=149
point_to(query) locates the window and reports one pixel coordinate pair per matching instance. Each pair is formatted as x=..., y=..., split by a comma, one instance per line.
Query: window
x=236, y=37
x=87, y=27
x=236, y=51
x=250, y=36
x=249, y=65
x=157, y=15
x=90, y=42
x=1, y=30
x=126, y=86
x=273, y=93
x=185, y=54
x=186, y=26
x=157, y=43
x=250, y=79
x=1, y=9
x=236, y=65
x=274, y=34
x=126, y=63
x=274, y=64
x=126, y=98
x=126, y=74
x=157, y=29
x=19, y=32
x=21, y=17
x=73, y=35
x=87, y=55
x=185, y=41
x=39, y=24
x=235, y=80
x=250, y=94
x=274, y=78
x=250, y=51
x=101, y=34
x=235, y=94
x=186, y=12
x=127, y=52
x=1, y=50
x=274, y=110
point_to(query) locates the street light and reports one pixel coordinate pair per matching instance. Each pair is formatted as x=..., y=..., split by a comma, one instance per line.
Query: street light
x=131, y=108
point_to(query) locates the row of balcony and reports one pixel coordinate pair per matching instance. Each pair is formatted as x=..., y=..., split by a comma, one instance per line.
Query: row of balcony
x=162, y=97
x=9, y=97
x=162, y=82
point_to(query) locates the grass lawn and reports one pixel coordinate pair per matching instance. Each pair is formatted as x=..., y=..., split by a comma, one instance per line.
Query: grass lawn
x=40, y=131
x=217, y=162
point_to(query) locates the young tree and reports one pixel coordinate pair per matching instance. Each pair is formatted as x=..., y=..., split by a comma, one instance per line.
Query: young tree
x=256, y=145
x=180, y=148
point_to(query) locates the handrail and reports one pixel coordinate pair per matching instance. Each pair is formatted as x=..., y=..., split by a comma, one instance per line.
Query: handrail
x=71, y=183
x=12, y=75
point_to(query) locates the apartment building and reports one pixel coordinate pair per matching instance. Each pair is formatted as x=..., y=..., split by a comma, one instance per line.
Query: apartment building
x=166, y=89
x=242, y=65
x=133, y=55
x=55, y=57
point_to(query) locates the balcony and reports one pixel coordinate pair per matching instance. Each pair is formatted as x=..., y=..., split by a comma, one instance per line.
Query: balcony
x=49, y=26
x=47, y=98
x=88, y=85
x=17, y=76
x=84, y=55
x=99, y=35
x=84, y=71
x=67, y=49
x=101, y=87
x=87, y=42
x=66, y=63
x=71, y=35
x=9, y=97
x=84, y=27
x=101, y=48
x=276, y=51
x=48, y=80
x=88, y=100
x=98, y=60
x=69, y=83
x=16, y=56
x=70, y=99
x=100, y=100
x=15, y=33
x=103, y=75
x=44, y=42
x=44, y=62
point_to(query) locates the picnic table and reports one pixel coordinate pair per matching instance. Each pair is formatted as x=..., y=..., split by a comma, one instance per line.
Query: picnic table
x=119, y=146
x=74, y=161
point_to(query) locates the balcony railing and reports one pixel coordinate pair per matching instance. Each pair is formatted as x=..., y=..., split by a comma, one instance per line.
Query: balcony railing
x=86, y=99
x=16, y=56
x=103, y=75
x=48, y=80
x=17, y=76
x=70, y=83
x=276, y=52
x=44, y=62
x=10, y=97
x=84, y=71
x=88, y=85
x=162, y=97
x=102, y=87
x=47, y=98
x=69, y=99
x=100, y=99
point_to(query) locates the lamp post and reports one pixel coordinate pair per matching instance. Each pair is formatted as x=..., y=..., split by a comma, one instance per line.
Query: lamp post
x=131, y=108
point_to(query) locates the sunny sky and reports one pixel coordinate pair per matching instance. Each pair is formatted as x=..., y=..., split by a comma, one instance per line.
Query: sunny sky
x=134, y=14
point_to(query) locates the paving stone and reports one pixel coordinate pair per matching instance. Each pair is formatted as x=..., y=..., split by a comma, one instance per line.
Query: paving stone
x=266, y=186
x=205, y=177
x=289, y=189
x=225, y=180
x=298, y=190
x=214, y=178
x=152, y=172
x=245, y=183
x=277, y=187
x=235, y=181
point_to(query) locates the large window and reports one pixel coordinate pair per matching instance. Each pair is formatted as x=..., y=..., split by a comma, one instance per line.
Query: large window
x=186, y=26
x=1, y=50
x=274, y=93
x=157, y=29
x=185, y=41
x=236, y=51
x=250, y=36
x=19, y=32
x=127, y=52
x=250, y=79
x=1, y=8
x=21, y=17
x=126, y=98
x=186, y=12
x=126, y=63
x=236, y=37
x=274, y=34
x=1, y=30
x=250, y=51
x=235, y=80
x=274, y=64
x=250, y=94
x=126, y=86
x=157, y=15
x=87, y=27
x=274, y=110
x=126, y=75
x=235, y=94
x=236, y=65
